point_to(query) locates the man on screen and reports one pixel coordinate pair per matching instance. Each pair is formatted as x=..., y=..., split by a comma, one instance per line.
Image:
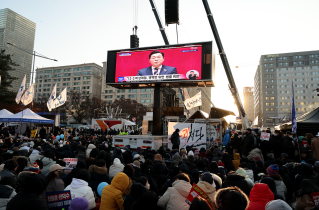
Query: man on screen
x=157, y=68
x=192, y=75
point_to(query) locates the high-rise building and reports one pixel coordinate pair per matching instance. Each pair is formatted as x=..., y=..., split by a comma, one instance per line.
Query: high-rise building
x=19, y=31
x=249, y=103
x=273, y=85
x=84, y=78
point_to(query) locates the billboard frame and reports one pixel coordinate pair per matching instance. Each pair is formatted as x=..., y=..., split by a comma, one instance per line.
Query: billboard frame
x=207, y=69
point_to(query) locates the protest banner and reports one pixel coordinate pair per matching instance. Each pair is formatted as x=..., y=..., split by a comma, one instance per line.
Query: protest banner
x=190, y=133
x=195, y=192
x=193, y=101
x=70, y=163
x=58, y=200
x=265, y=136
x=315, y=198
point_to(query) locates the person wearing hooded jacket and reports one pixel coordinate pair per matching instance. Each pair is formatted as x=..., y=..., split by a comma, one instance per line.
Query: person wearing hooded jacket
x=248, y=142
x=207, y=185
x=234, y=179
x=135, y=195
x=257, y=152
x=47, y=161
x=115, y=168
x=79, y=187
x=7, y=192
x=226, y=138
x=35, y=155
x=99, y=174
x=89, y=149
x=236, y=161
x=175, y=196
x=242, y=172
x=260, y=195
x=112, y=194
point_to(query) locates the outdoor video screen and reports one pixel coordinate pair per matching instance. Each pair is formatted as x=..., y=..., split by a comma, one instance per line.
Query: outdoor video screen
x=191, y=62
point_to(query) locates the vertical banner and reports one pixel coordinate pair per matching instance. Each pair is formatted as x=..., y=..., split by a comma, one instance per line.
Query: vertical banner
x=60, y=100
x=190, y=134
x=197, y=192
x=293, y=113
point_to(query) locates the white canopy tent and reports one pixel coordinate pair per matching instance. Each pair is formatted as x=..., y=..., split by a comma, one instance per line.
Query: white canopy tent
x=5, y=113
x=26, y=116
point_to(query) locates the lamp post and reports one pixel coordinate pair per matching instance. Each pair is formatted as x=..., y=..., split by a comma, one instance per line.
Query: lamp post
x=34, y=54
x=94, y=112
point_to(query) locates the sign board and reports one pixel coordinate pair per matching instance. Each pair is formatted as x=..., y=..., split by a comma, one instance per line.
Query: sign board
x=132, y=141
x=70, y=163
x=58, y=200
x=133, y=118
x=197, y=192
x=265, y=136
x=315, y=198
x=190, y=134
x=193, y=101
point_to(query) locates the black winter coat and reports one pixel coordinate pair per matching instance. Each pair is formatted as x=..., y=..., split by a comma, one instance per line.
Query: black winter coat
x=98, y=175
x=234, y=179
x=248, y=142
x=26, y=201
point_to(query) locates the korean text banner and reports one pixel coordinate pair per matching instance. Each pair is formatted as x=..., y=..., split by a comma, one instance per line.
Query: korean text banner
x=179, y=63
x=58, y=200
x=190, y=134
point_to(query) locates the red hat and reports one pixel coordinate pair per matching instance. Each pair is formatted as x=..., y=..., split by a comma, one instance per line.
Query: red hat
x=220, y=164
x=202, y=154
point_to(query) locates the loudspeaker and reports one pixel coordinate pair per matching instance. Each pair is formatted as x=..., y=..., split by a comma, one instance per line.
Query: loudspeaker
x=135, y=41
x=171, y=11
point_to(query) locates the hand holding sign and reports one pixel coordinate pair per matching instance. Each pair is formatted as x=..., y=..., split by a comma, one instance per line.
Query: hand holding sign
x=70, y=163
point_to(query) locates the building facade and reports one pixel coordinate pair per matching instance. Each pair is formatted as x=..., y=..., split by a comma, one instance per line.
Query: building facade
x=273, y=85
x=19, y=31
x=84, y=78
x=249, y=103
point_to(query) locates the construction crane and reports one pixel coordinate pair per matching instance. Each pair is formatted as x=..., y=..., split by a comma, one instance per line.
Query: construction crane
x=232, y=84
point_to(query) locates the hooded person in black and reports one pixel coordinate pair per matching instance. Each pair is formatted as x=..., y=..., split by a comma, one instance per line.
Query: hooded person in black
x=305, y=172
x=135, y=195
x=234, y=179
x=28, y=198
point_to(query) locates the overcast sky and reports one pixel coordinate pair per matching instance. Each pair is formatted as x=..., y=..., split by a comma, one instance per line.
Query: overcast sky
x=82, y=31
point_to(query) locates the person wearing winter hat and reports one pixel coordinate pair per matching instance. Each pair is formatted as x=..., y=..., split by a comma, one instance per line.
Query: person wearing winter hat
x=231, y=198
x=208, y=185
x=34, y=168
x=242, y=172
x=273, y=169
x=54, y=182
x=190, y=153
x=137, y=163
x=277, y=205
x=79, y=203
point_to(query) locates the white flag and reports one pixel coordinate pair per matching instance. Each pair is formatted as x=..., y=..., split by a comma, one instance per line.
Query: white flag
x=21, y=89
x=51, y=99
x=28, y=95
x=60, y=100
x=193, y=101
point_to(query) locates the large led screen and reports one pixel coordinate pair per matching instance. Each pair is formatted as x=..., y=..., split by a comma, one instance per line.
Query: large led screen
x=174, y=63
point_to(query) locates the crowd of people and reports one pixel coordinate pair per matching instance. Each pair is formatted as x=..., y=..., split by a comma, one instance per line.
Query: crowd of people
x=246, y=173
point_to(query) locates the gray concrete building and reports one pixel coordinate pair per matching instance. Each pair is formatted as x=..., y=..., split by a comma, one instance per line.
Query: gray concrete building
x=84, y=78
x=249, y=103
x=273, y=85
x=19, y=31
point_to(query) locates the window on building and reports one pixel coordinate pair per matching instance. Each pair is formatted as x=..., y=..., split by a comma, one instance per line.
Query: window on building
x=267, y=104
x=272, y=98
x=142, y=101
x=147, y=101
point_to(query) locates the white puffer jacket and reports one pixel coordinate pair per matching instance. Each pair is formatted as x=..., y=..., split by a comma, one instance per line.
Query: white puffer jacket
x=116, y=168
x=35, y=155
x=250, y=174
x=281, y=188
x=4, y=201
x=47, y=163
x=88, y=151
x=175, y=196
x=80, y=188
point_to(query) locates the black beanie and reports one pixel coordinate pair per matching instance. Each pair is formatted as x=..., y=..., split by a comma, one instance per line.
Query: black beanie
x=83, y=174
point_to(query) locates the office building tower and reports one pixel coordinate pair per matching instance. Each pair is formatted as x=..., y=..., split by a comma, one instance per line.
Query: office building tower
x=84, y=78
x=249, y=103
x=273, y=86
x=19, y=31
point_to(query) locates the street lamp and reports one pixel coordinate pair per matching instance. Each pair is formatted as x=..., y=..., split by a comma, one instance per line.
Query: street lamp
x=94, y=111
x=34, y=54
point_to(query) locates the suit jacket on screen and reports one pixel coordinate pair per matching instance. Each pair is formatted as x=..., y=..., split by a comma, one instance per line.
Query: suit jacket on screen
x=164, y=70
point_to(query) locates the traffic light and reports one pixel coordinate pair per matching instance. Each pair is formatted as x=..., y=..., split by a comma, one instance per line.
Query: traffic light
x=135, y=41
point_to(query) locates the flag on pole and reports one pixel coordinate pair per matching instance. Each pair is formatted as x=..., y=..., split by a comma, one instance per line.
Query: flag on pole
x=60, y=100
x=21, y=89
x=51, y=99
x=293, y=112
x=255, y=122
x=28, y=95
